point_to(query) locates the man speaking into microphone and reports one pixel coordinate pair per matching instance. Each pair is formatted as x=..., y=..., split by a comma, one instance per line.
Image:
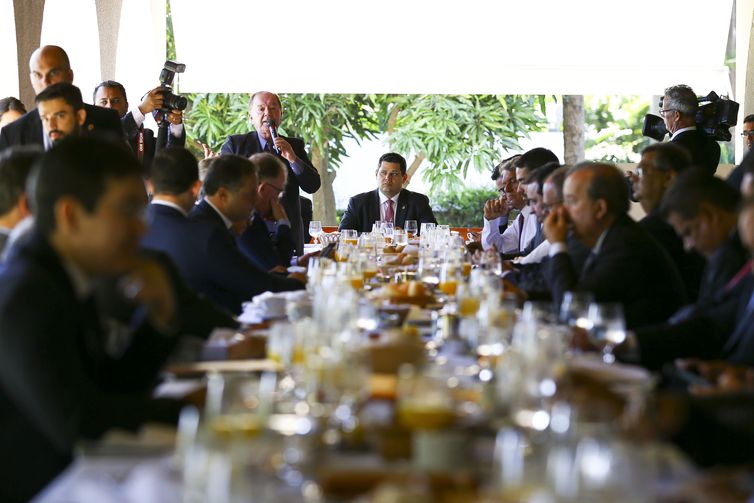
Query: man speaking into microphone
x=265, y=113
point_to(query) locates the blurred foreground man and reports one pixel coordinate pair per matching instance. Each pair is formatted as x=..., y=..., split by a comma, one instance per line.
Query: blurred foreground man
x=58, y=379
x=625, y=264
x=15, y=166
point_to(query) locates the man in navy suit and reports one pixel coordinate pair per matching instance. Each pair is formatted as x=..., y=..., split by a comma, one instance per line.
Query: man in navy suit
x=267, y=240
x=50, y=65
x=679, y=107
x=202, y=247
x=112, y=94
x=60, y=381
x=263, y=107
x=389, y=202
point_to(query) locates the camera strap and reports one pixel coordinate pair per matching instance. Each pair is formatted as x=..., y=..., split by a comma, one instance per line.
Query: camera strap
x=140, y=144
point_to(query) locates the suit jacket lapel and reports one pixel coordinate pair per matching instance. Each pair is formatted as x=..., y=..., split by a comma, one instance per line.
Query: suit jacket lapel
x=373, y=210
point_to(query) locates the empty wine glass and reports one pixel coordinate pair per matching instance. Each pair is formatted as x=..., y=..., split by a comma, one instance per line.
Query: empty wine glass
x=607, y=328
x=411, y=228
x=315, y=230
x=575, y=307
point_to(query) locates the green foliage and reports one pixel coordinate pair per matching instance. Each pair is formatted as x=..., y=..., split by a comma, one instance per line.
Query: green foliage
x=613, y=127
x=325, y=120
x=462, y=208
x=456, y=132
x=212, y=117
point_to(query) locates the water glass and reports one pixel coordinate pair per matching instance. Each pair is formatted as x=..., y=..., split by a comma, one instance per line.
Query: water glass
x=575, y=307
x=315, y=230
x=411, y=228
x=607, y=328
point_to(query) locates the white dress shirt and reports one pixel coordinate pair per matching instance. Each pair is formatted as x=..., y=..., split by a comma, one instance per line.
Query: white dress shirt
x=383, y=204
x=516, y=236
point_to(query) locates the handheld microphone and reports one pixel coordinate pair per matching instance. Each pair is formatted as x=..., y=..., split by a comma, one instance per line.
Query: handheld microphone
x=273, y=134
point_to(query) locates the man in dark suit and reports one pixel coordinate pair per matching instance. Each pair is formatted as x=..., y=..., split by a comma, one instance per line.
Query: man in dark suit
x=15, y=166
x=679, y=107
x=50, y=65
x=625, y=264
x=703, y=211
x=263, y=107
x=112, y=94
x=389, y=202
x=267, y=240
x=203, y=248
x=721, y=329
x=59, y=382
x=659, y=165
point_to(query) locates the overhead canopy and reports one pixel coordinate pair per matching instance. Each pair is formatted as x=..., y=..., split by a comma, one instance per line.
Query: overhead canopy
x=474, y=46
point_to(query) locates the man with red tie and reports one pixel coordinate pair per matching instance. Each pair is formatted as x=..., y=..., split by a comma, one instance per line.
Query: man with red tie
x=390, y=202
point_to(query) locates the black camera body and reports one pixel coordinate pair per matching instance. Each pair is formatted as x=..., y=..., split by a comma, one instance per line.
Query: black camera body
x=715, y=116
x=171, y=101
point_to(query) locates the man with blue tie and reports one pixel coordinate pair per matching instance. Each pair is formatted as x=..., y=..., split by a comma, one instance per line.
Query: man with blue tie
x=266, y=113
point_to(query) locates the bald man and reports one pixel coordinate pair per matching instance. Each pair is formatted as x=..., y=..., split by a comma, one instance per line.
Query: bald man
x=49, y=65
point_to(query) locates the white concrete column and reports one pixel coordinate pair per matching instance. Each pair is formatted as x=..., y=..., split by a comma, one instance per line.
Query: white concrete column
x=108, y=23
x=744, y=67
x=28, y=17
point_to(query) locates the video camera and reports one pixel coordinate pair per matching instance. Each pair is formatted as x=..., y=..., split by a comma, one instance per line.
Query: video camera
x=715, y=116
x=171, y=101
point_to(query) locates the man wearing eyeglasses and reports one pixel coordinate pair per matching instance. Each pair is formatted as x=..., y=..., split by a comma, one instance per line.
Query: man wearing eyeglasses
x=390, y=202
x=679, y=107
x=267, y=241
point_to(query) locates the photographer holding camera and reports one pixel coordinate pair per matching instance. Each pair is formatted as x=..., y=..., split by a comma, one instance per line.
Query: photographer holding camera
x=679, y=108
x=111, y=94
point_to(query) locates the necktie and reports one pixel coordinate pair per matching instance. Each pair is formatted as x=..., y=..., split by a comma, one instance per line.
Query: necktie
x=588, y=263
x=520, y=221
x=389, y=211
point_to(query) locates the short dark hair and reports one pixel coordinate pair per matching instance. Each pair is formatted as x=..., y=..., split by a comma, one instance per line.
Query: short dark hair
x=607, y=183
x=393, y=157
x=669, y=156
x=15, y=165
x=227, y=171
x=79, y=167
x=174, y=170
x=557, y=178
x=748, y=118
x=110, y=84
x=11, y=103
x=536, y=157
x=692, y=188
x=505, y=165
x=681, y=98
x=65, y=91
x=539, y=174
x=268, y=166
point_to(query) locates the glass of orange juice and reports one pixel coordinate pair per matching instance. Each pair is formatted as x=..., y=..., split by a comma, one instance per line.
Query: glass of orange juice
x=238, y=405
x=450, y=275
x=349, y=236
x=425, y=401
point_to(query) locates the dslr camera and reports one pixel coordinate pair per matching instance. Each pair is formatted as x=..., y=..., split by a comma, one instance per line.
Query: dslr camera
x=171, y=101
x=715, y=116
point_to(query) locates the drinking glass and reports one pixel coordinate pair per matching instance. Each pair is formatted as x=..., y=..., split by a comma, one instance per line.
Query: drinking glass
x=387, y=231
x=411, y=228
x=315, y=230
x=607, y=328
x=575, y=308
x=400, y=238
x=426, y=226
x=349, y=236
